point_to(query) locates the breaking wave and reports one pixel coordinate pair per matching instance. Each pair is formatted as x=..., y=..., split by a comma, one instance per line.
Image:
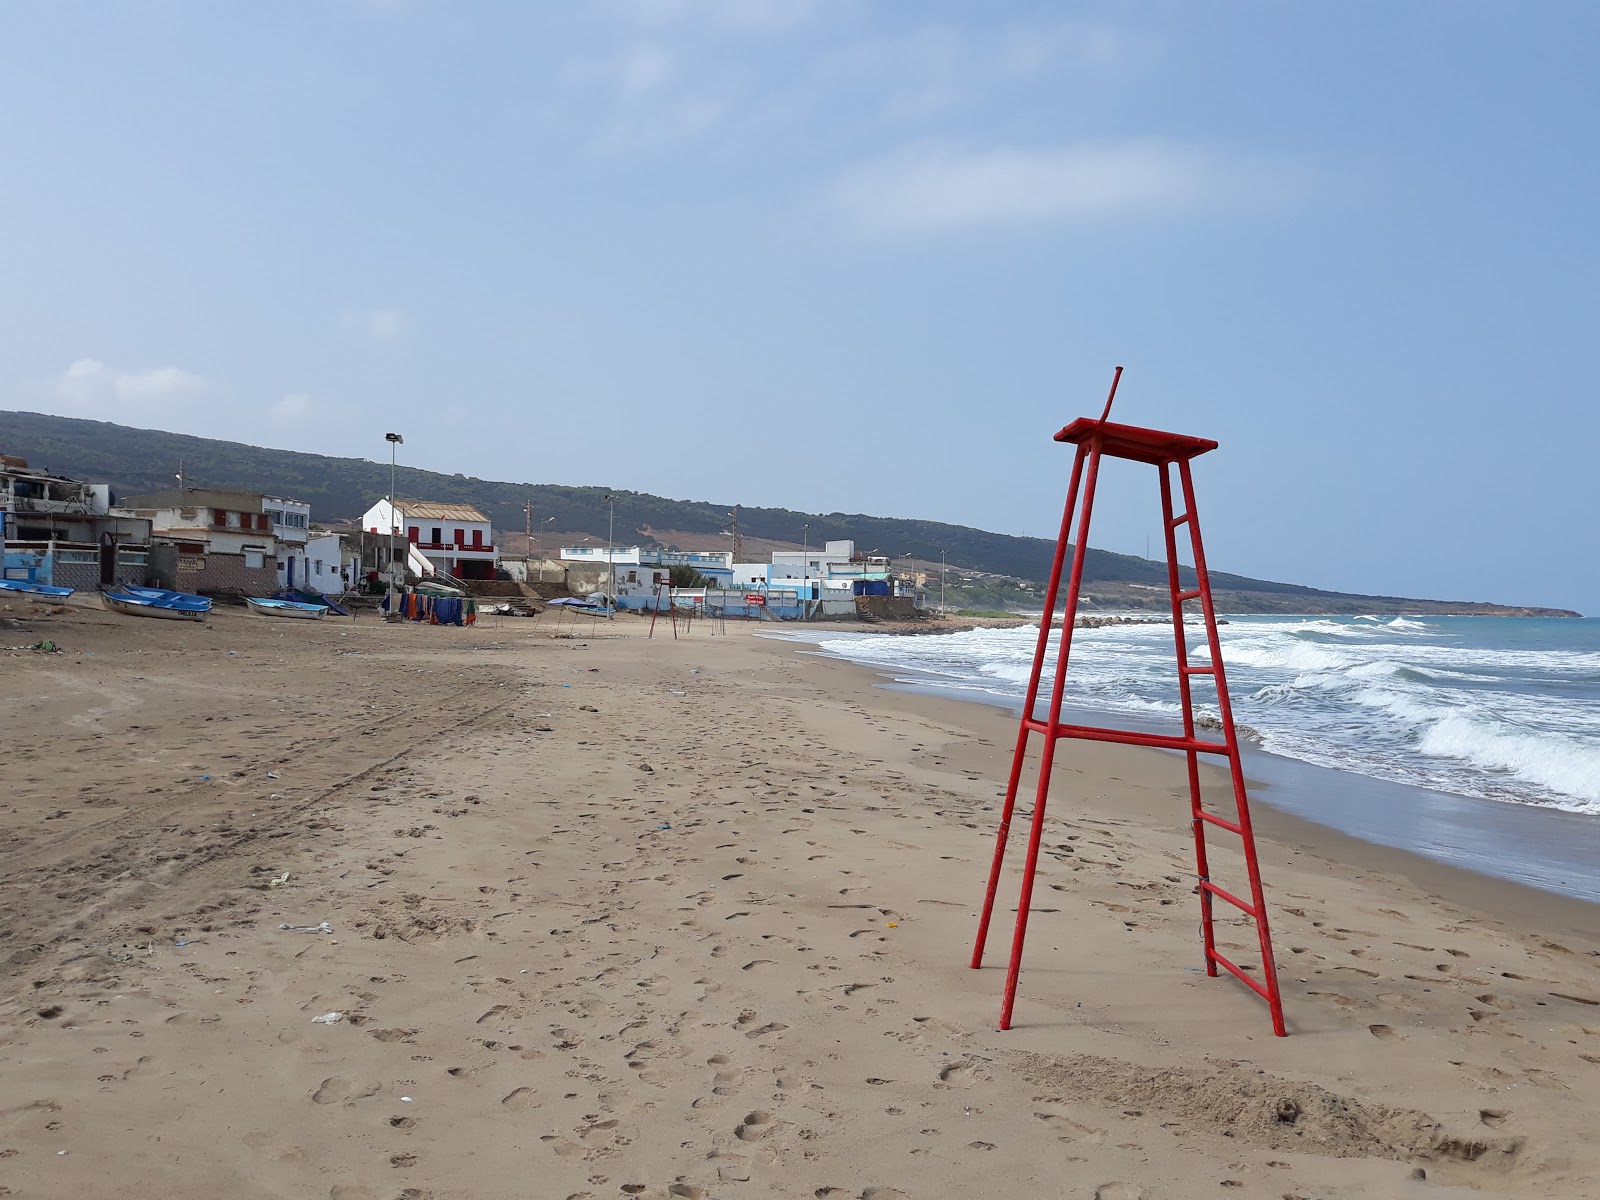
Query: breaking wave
x=1500, y=708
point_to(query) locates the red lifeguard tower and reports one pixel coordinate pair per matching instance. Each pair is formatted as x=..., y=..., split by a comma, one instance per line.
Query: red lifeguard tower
x=1096, y=440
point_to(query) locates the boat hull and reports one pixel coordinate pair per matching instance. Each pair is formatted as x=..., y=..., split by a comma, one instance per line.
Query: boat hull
x=42, y=590
x=132, y=608
x=287, y=608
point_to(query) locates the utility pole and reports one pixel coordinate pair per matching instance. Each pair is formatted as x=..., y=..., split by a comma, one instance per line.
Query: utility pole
x=942, y=569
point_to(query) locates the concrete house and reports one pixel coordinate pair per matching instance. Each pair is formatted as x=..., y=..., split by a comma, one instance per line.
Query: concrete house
x=221, y=538
x=291, y=529
x=67, y=533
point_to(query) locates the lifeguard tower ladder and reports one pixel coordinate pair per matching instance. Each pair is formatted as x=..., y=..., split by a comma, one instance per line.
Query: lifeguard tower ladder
x=1096, y=440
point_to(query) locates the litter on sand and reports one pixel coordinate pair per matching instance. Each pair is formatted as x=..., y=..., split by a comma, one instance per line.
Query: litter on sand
x=278, y=881
x=322, y=927
x=328, y=1018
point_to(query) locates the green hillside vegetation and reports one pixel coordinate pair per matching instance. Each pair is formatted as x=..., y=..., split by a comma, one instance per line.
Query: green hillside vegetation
x=145, y=460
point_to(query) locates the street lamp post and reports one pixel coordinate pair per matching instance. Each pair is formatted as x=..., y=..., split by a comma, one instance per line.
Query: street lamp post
x=395, y=441
x=805, y=574
x=611, y=550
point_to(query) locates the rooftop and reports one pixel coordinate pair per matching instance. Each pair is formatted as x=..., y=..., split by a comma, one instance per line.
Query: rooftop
x=440, y=512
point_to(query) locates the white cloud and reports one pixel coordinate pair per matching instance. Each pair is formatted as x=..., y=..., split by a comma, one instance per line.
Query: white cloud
x=374, y=324
x=753, y=15
x=631, y=72
x=938, y=186
x=296, y=406
x=90, y=388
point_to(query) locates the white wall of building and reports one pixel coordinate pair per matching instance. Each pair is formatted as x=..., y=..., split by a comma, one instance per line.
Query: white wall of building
x=597, y=554
x=325, y=558
x=436, y=537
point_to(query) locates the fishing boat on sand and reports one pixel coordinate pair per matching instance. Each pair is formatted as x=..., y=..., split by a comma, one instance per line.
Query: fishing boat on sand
x=34, y=589
x=286, y=608
x=155, y=602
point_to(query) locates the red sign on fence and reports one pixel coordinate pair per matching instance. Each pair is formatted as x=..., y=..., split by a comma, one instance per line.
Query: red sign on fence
x=754, y=598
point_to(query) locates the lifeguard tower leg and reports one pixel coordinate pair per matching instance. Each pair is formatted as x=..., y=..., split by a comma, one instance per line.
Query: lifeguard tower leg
x=1021, y=752
x=1050, y=728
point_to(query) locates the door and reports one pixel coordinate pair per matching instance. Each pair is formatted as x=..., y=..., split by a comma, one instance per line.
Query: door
x=291, y=572
x=108, y=560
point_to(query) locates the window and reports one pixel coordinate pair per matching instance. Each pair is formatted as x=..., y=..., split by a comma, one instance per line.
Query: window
x=277, y=517
x=633, y=577
x=254, y=560
x=133, y=558
x=231, y=520
x=318, y=566
x=437, y=535
x=77, y=556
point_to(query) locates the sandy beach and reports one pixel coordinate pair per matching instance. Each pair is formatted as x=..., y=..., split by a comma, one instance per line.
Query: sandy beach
x=608, y=916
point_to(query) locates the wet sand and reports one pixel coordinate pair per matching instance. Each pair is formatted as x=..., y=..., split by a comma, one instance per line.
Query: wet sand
x=590, y=937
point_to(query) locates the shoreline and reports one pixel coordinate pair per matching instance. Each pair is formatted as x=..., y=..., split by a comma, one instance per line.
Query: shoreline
x=1301, y=834
x=691, y=918
x=1528, y=845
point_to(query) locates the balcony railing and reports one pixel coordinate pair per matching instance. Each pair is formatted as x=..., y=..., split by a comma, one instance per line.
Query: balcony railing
x=454, y=547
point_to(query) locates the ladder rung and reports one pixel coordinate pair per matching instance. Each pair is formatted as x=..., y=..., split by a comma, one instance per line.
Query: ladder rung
x=1231, y=826
x=1191, y=594
x=1207, y=885
x=1129, y=737
x=1176, y=521
x=1255, y=987
x=1212, y=670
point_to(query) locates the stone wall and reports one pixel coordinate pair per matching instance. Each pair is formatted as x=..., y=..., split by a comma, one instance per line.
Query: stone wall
x=887, y=608
x=215, y=574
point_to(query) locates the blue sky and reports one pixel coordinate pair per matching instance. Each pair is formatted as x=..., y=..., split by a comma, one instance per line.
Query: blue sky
x=846, y=255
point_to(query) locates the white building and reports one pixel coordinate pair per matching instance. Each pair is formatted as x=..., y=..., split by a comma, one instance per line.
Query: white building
x=832, y=558
x=454, y=538
x=332, y=567
x=620, y=555
x=291, y=526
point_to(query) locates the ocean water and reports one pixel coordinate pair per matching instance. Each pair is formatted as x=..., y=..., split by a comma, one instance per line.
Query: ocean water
x=1500, y=709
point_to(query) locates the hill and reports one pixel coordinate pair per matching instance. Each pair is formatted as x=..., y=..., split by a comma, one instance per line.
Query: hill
x=145, y=460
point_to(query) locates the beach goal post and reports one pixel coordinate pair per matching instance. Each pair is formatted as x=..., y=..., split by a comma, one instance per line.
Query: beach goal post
x=1170, y=454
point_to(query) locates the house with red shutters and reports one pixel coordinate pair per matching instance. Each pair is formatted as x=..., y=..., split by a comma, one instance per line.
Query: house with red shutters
x=224, y=541
x=455, y=539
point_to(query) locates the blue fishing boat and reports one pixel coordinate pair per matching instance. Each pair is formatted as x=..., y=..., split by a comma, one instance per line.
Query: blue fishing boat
x=273, y=607
x=155, y=602
x=34, y=589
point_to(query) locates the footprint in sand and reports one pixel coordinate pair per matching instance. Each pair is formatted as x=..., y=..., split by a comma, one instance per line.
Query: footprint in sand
x=339, y=1090
x=747, y=1024
x=754, y=1127
x=1119, y=1191
x=1068, y=1130
x=523, y=1097
x=561, y=1146
x=961, y=1073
